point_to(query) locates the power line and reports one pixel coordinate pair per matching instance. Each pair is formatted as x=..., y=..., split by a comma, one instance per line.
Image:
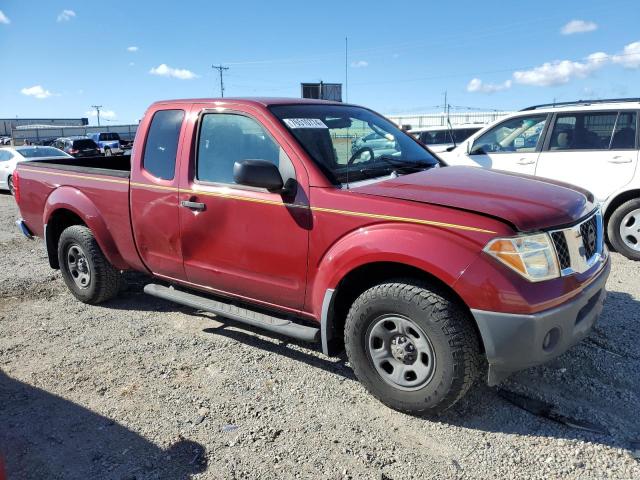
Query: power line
x=97, y=107
x=220, y=69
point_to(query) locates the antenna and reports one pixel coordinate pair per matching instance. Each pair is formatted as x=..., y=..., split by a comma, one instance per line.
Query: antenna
x=220, y=69
x=346, y=69
x=97, y=107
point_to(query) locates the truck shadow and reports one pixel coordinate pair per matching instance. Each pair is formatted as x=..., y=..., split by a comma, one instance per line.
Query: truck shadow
x=595, y=385
x=591, y=393
x=44, y=436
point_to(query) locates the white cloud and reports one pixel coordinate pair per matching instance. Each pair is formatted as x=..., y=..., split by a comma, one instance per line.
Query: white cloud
x=4, y=19
x=578, y=26
x=360, y=64
x=36, y=91
x=108, y=114
x=630, y=56
x=165, y=70
x=66, y=15
x=561, y=72
x=477, y=85
x=132, y=49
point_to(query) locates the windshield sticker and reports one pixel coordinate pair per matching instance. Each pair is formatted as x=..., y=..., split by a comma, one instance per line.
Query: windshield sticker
x=304, y=123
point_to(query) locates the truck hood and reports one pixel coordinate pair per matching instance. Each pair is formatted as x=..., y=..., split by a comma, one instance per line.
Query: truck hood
x=526, y=202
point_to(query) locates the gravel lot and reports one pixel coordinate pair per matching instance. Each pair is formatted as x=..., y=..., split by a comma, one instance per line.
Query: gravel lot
x=139, y=388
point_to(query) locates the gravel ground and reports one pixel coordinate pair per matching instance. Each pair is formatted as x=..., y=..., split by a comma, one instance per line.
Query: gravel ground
x=139, y=388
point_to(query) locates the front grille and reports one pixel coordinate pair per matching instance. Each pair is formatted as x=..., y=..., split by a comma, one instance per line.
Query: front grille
x=561, y=249
x=589, y=233
x=580, y=246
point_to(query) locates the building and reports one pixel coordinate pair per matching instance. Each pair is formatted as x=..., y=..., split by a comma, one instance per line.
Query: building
x=323, y=91
x=8, y=124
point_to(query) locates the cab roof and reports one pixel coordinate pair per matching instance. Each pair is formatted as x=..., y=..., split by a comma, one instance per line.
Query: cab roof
x=256, y=101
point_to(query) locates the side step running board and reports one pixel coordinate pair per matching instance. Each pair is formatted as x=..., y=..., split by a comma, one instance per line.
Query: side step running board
x=250, y=317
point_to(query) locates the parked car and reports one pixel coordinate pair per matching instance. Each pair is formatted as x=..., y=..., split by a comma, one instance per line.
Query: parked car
x=11, y=156
x=78, y=146
x=379, y=143
x=590, y=144
x=440, y=139
x=5, y=140
x=108, y=142
x=253, y=209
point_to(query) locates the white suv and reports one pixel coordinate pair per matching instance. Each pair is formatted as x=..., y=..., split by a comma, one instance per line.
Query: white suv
x=593, y=145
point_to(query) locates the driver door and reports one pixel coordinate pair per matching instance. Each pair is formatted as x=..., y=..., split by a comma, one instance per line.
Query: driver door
x=239, y=240
x=513, y=145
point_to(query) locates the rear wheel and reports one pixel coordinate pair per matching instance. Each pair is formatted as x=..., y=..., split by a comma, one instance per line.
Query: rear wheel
x=12, y=189
x=412, y=347
x=85, y=270
x=623, y=229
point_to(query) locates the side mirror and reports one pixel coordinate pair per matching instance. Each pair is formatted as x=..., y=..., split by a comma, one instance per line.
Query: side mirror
x=258, y=173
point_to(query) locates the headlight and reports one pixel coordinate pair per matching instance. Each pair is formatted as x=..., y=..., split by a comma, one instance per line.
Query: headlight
x=532, y=256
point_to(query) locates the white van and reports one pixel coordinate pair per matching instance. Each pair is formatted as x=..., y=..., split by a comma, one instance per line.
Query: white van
x=591, y=144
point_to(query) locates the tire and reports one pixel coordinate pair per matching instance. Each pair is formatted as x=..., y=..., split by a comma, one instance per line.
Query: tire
x=623, y=229
x=439, y=324
x=91, y=278
x=12, y=190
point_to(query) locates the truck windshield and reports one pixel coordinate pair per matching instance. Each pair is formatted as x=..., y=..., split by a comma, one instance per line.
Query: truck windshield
x=109, y=136
x=352, y=143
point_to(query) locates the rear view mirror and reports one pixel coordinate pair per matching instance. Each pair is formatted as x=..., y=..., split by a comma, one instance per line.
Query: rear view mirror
x=258, y=173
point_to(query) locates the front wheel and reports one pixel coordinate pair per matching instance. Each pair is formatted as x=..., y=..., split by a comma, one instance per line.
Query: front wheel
x=85, y=270
x=623, y=229
x=412, y=347
x=12, y=189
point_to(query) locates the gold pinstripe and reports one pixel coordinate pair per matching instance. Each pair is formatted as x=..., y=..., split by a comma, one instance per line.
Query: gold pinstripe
x=82, y=177
x=401, y=219
x=270, y=202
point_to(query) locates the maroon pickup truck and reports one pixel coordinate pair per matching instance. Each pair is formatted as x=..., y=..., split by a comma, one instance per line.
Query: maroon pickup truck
x=265, y=211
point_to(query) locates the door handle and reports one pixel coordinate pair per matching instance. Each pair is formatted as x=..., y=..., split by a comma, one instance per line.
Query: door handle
x=193, y=205
x=525, y=161
x=619, y=159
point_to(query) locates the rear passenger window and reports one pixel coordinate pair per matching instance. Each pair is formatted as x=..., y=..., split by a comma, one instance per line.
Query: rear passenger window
x=593, y=131
x=162, y=143
x=624, y=135
x=229, y=138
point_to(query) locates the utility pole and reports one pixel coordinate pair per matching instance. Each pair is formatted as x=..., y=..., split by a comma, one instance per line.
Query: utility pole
x=220, y=69
x=97, y=107
x=445, y=109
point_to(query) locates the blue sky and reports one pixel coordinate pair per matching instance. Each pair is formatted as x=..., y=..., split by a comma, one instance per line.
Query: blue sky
x=61, y=57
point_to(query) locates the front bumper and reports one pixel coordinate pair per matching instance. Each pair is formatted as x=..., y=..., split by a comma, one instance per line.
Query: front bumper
x=514, y=342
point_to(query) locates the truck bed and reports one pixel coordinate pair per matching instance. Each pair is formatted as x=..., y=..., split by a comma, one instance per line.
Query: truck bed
x=95, y=186
x=115, y=166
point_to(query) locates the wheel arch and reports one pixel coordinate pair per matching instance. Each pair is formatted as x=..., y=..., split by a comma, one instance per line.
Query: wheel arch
x=618, y=200
x=60, y=213
x=360, y=270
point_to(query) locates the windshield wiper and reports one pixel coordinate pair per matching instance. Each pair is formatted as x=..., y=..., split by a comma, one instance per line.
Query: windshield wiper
x=391, y=165
x=399, y=164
